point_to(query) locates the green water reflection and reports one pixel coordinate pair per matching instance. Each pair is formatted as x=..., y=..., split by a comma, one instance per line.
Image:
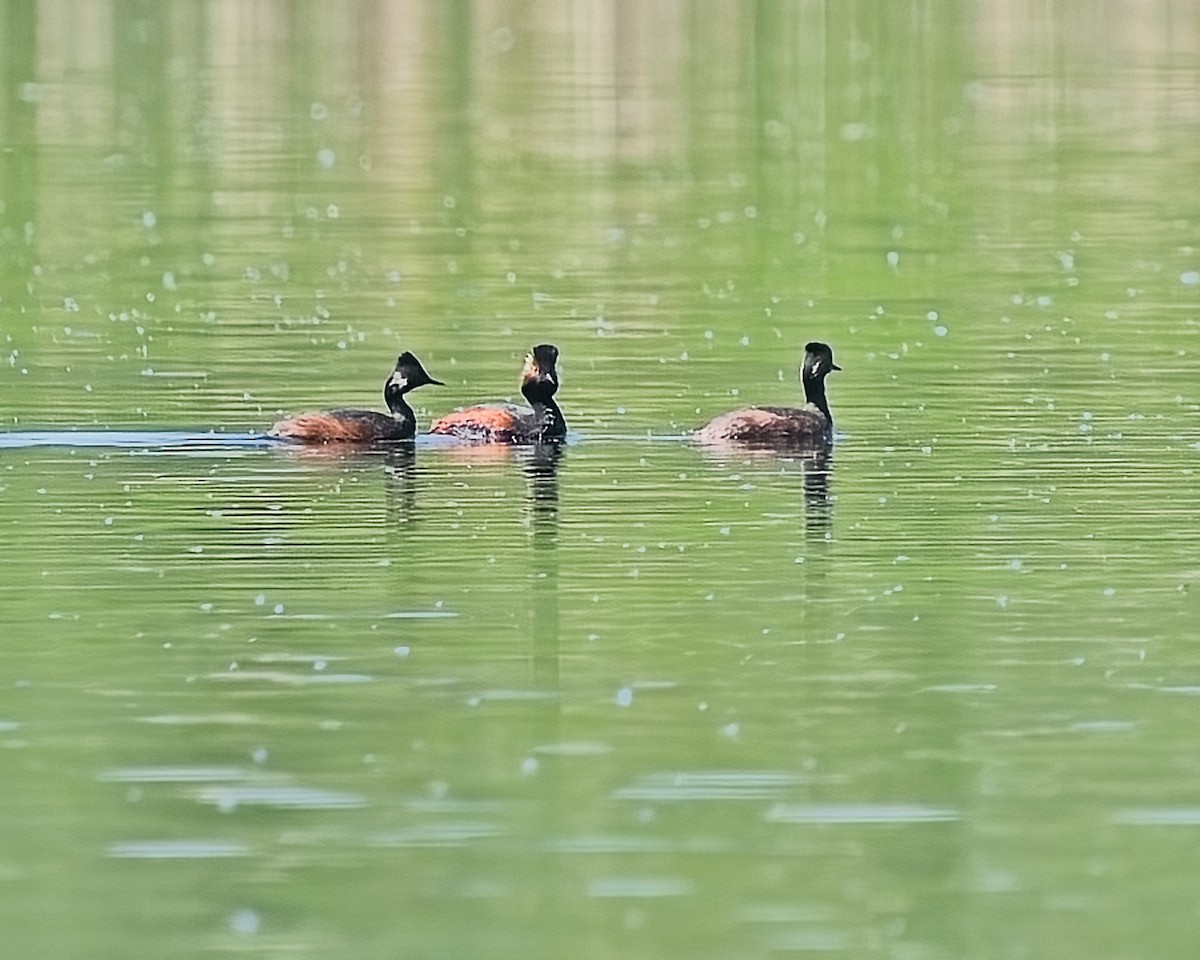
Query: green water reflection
x=929, y=697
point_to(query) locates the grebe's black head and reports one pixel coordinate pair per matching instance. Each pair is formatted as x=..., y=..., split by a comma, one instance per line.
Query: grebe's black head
x=539, y=379
x=408, y=375
x=818, y=361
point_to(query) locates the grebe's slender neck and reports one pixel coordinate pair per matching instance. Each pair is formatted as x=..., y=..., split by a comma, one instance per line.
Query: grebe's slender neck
x=549, y=418
x=814, y=393
x=399, y=407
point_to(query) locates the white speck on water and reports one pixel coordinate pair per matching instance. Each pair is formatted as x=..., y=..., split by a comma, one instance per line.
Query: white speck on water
x=745, y=341
x=624, y=697
x=279, y=608
x=1110, y=591
x=71, y=305
x=245, y=922
x=326, y=158
x=940, y=330
x=708, y=334
x=318, y=111
x=853, y=132
x=893, y=259
x=1015, y=565
x=1190, y=278
x=260, y=754
x=149, y=219
x=529, y=766
x=731, y=730
x=333, y=211
x=402, y=650
x=108, y=521
x=260, y=600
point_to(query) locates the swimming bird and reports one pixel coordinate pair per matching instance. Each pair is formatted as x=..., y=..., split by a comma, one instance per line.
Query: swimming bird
x=809, y=425
x=363, y=426
x=509, y=424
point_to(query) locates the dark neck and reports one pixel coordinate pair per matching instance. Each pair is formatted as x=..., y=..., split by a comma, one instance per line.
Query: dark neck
x=549, y=419
x=401, y=410
x=814, y=393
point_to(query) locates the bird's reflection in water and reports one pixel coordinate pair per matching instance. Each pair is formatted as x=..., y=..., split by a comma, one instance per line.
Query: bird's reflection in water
x=540, y=463
x=397, y=459
x=816, y=466
x=815, y=463
x=399, y=470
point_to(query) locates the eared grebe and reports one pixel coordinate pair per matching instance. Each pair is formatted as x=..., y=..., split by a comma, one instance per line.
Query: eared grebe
x=363, y=426
x=782, y=426
x=506, y=424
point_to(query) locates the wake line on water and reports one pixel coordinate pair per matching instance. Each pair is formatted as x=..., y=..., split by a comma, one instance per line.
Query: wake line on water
x=135, y=439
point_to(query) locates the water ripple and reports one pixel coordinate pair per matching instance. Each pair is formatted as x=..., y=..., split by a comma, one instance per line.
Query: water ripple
x=1159, y=816
x=283, y=797
x=639, y=887
x=176, y=849
x=438, y=834
x=859, y=813
x=171, y=774
x=710, y=785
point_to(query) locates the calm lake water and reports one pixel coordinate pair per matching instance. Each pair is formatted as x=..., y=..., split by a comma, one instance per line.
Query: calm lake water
x=933, y=697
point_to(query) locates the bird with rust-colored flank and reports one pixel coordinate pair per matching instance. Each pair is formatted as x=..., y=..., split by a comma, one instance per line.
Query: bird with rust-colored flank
x=508, y=424
x=810, y=425
x=363, y=426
